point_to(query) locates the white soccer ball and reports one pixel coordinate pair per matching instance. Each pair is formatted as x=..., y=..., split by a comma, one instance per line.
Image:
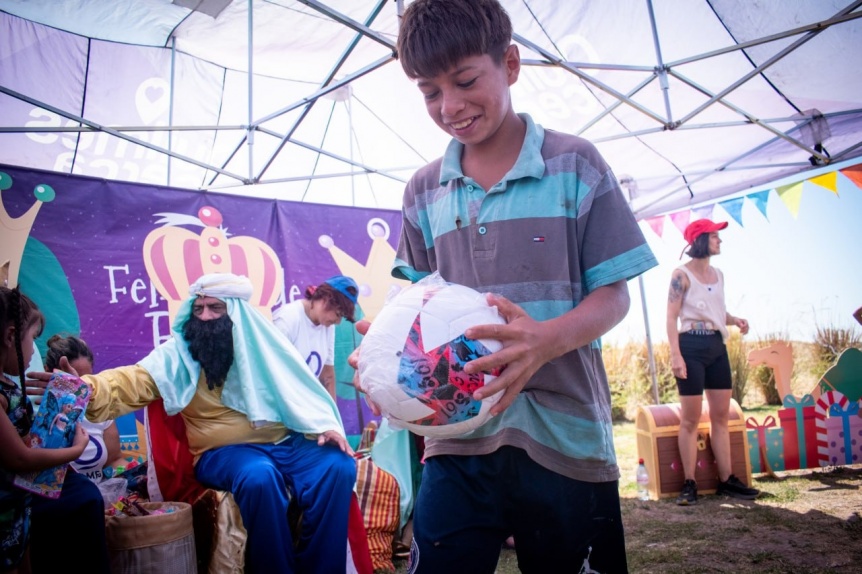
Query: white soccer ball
x=411, y=360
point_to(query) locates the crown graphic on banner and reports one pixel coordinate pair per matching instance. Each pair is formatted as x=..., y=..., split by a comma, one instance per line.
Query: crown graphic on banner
x=176, y=257
x=14, y=231
x=374, y=277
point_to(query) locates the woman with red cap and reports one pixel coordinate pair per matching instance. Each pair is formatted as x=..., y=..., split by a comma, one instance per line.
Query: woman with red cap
x=697, y=332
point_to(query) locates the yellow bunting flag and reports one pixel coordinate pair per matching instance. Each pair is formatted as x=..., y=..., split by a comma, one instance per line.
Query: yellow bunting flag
x=791, y=195
x=827, y=180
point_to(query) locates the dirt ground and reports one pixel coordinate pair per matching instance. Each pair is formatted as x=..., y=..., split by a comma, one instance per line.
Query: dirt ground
x=806, y=521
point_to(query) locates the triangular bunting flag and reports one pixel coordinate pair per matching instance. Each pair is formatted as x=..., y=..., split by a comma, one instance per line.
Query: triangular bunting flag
x=703, y=212
x=760, y=199
x=827, y=180
x=734, y=208
x=680, y=219
x=657, y=224
x=791, y=195
x=854, y=174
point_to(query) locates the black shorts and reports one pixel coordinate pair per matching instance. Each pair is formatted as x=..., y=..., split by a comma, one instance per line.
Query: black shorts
x=706, y=364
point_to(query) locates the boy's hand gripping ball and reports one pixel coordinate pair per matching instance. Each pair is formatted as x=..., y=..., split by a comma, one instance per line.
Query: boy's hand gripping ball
x=411, y=361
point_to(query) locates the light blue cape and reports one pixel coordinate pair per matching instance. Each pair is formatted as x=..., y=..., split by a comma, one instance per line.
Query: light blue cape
x=268, y=381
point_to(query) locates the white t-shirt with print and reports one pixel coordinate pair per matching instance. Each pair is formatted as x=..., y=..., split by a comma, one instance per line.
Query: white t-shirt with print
x=315, y=343
x=95, y=454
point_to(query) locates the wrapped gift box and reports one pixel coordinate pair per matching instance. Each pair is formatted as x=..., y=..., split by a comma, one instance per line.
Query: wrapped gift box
x=844, y=434
x=765, y=444
x=800, y=432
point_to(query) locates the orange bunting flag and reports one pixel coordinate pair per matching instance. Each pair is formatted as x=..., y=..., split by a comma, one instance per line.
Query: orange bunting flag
x=791, y=195
x=854, y=174
x=827, y=180
x=680, y=219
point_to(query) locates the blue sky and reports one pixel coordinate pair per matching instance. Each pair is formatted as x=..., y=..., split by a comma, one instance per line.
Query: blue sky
x=785, y=275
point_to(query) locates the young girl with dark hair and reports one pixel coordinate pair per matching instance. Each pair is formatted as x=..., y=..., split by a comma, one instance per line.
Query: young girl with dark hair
x=20, y=323
x=104, y=449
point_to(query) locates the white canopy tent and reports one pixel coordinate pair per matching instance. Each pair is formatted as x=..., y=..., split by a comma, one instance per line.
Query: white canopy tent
x=304, y=100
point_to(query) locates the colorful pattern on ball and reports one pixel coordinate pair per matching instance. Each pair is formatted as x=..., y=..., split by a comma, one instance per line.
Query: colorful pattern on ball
x=436, y=377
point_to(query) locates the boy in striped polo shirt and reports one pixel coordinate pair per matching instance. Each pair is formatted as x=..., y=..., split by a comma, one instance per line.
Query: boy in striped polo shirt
x=537, y=218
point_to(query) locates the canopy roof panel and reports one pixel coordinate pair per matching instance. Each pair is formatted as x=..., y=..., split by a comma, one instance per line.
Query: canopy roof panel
x=692, y=101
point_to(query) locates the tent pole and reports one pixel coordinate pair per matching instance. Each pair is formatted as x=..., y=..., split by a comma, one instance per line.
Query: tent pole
x=649, y=342
x=171, y=105
x=350, y=141
x=250, y=137
x=360, y=416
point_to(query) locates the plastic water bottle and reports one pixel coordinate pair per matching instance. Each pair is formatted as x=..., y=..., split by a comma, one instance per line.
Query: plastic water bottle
x=643, y=481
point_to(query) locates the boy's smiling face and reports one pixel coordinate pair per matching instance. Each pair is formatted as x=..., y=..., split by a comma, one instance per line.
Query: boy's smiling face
x=471, y=100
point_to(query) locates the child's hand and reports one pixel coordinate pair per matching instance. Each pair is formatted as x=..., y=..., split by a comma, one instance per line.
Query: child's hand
x=353, y=360
x=35, y=389
x=526, y=344
x=81, y=439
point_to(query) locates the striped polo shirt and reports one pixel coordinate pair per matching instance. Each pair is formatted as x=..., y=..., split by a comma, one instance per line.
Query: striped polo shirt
x=555, y=228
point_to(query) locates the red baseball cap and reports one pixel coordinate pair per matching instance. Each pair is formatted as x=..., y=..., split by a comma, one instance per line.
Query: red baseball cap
x=696, y=228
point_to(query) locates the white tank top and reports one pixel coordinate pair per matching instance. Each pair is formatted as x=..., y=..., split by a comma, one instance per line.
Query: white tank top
x=703, y=306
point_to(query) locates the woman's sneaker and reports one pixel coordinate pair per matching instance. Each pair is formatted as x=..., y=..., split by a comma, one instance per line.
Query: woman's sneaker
x=688, y=496
x=736, y=488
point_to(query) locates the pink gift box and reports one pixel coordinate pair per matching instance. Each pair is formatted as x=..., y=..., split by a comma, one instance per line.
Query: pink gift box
x=844, y=439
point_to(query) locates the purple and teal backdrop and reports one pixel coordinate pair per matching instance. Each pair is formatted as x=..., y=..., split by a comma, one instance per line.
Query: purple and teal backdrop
x=83, y=260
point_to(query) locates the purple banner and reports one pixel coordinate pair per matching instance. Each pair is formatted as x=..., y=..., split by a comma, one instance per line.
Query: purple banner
x=113, y=260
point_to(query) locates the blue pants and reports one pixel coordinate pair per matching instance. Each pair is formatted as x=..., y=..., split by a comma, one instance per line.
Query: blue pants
x=468, y=505
x=263, y=478
x=72, y=525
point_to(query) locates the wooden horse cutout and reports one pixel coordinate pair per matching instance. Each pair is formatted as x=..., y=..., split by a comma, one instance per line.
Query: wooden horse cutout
x=778, y=356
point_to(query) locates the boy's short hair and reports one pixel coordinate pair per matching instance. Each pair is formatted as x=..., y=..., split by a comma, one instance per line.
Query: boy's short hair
x=436, y=35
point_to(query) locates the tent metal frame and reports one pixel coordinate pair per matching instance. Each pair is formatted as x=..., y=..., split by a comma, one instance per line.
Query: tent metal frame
x=661, y=72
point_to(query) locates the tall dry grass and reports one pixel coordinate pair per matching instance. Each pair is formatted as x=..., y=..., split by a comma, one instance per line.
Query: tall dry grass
x=737, y=353
x=831, y=341
x=630, y=381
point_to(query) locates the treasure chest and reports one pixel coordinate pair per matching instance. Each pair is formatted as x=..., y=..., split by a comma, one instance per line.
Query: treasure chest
x=657, y=434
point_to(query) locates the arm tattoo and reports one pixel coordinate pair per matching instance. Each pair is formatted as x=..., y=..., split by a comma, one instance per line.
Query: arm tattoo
x=676, y=289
